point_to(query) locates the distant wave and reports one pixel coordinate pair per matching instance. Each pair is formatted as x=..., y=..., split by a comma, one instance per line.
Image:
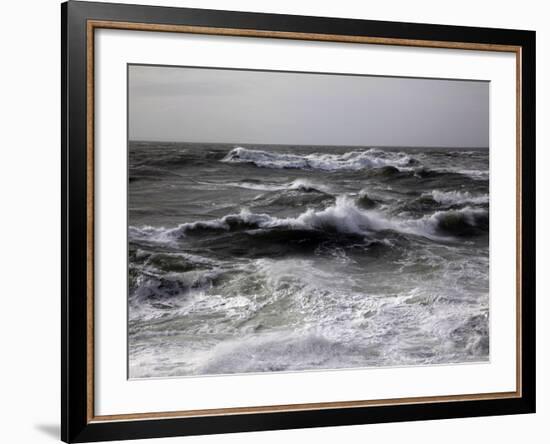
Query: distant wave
x=472, y=174
x=344, y=217
x=467, y=153
x=352, y=160
x=458, y=197
x=379, y=162
x=304, y=185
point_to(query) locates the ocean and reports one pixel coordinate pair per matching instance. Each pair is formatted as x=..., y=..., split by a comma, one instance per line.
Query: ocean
x=267, y=258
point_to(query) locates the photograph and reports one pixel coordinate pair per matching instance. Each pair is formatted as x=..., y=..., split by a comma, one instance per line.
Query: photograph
x=301, y=221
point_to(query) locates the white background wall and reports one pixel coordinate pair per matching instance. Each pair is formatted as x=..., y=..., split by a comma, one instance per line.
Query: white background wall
x=30, y=209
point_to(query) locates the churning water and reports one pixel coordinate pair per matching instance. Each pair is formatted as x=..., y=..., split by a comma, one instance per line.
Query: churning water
x=280, y=258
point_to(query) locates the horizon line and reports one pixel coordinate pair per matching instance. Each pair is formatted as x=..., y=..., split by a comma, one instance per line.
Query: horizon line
x=308, y=145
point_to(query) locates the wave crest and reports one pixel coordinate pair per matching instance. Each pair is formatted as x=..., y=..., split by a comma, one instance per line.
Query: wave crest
x=303, y=185
x=344, y=217
x=464, y=222
x=458, y=197
x=352, y=160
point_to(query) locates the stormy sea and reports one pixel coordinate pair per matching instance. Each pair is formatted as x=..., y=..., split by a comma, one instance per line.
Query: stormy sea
x=268, y=258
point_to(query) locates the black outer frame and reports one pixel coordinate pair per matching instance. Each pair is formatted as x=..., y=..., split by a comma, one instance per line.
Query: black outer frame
x=74, y=424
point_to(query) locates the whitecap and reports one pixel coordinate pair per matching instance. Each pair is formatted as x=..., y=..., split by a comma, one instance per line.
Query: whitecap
x=458, y=197
x=344, y=217
x=296, y=185
x=352, y=160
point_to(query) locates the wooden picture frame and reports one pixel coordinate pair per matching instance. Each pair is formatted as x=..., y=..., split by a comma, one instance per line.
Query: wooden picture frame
x=79, y=22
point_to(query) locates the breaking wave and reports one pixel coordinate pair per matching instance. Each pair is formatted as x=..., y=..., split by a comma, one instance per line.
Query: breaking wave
x=344, y=217
x=352, y=160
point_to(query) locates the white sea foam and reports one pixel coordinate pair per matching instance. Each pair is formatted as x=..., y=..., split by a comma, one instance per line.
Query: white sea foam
x=296, y=185
x=307, y=185
x=352, y=160
x=474, y=174
x=458, y=197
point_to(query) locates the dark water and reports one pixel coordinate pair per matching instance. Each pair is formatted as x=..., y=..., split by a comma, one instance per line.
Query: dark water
x=277, y=258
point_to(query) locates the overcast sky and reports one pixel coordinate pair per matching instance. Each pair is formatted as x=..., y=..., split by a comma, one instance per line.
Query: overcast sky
x=235, y=106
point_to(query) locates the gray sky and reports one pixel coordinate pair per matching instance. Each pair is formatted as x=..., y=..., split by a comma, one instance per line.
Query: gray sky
x=235, y=106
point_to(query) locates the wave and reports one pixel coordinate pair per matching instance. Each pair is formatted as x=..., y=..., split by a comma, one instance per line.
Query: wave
x=479, y=175
x=365, y=201
x=169, y=261
x=344, y=217
x=474, y=174
x=160, y=283
x=352, y=160
x=304, y=185
x=464, y=222
x=458, y=197
x=481, y=152
x=416, y=172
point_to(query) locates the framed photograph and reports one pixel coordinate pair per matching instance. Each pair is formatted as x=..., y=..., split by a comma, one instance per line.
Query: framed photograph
x=275, y=221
